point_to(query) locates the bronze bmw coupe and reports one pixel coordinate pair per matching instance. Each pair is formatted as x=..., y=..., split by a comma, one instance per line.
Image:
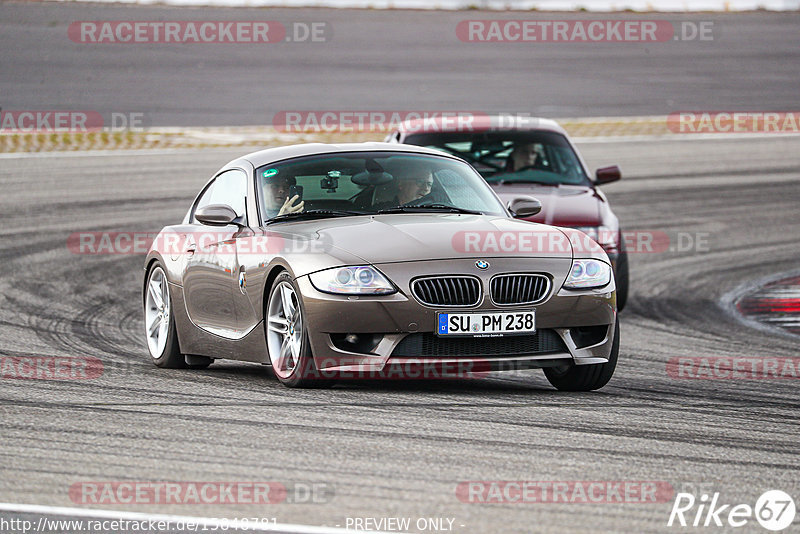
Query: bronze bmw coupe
x=375, y=259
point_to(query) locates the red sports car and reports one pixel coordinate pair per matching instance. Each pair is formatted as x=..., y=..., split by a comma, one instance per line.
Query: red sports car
x=532, y=157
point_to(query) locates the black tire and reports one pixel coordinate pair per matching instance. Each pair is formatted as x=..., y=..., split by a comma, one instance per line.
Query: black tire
x=585, y=377
x=170, y=356
x=304, y=373
x=197, y=362
x=621, y=276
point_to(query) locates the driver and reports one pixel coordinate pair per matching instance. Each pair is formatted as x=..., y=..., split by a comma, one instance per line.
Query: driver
x=413, y=185
x=522, y=156
x=412, y=180
x=276, y=196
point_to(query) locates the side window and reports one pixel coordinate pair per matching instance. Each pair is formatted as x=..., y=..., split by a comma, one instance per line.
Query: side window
x=229, y=188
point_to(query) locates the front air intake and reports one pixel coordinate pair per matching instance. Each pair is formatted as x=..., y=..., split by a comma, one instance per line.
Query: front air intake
x=509, y=289
x=458, y=291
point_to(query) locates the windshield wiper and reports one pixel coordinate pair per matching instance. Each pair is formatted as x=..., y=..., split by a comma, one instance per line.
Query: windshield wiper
x=422, y=208
x=313, y=214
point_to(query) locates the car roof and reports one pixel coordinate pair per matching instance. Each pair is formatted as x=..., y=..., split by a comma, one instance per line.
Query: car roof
x=463, y=122
x=270, y=155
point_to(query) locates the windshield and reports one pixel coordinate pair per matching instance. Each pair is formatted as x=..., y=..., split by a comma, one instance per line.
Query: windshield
x=370, y=183
x=543, y=157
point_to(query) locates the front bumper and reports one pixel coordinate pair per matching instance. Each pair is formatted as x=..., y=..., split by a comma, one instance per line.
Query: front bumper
x=578, y=325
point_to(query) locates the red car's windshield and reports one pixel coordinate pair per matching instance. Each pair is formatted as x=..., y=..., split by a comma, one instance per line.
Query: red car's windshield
x=539, y=157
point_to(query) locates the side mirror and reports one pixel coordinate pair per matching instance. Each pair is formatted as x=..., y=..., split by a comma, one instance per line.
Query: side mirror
x=524, y=206
x=216, y=215
x=606, y=175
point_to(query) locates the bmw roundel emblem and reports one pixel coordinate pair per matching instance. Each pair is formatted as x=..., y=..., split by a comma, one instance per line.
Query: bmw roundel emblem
x=482, y=265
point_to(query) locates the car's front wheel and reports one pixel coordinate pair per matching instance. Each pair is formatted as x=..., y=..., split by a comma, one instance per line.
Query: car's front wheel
x=585, y=377
x=287, y=338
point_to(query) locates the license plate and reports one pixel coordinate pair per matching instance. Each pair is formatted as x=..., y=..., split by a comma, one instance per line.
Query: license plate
x=486, y=324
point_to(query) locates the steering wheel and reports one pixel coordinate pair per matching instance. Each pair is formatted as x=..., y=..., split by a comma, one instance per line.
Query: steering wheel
x=430, y=198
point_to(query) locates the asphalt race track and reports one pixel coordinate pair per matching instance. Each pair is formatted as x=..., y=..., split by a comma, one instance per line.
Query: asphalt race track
x=725, y=208
x=389, y=60
x=399, y=449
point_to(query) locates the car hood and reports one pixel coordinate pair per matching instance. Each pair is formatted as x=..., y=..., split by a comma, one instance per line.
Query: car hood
x=565, y=205
x=433, y=236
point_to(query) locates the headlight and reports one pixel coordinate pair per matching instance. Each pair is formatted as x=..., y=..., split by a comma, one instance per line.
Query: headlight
x=360, y=280
x=587, y=274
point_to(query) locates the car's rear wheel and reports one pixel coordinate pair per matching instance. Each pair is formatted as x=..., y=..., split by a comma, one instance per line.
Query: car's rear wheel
x=287, y=337
x=159, y=324
x=585, y=377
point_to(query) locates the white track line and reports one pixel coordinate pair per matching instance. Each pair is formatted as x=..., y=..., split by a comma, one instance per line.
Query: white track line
x=208, y=522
